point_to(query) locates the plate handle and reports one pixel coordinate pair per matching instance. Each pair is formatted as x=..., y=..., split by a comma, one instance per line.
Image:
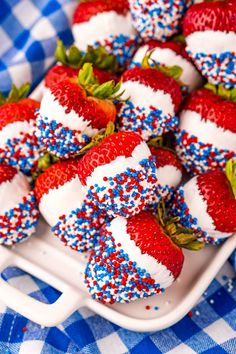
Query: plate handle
x=44, y=314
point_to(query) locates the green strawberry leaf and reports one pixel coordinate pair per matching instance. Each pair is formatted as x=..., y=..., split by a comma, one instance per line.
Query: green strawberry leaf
x=75, y=59
x=86, y=76
x=23, y=91
x=222, y=92
x=89, y=82
x=194, y=246
x=211, y=87
x=233, y=94
x=60, y=53
x=74, y=56
x=230, y=171
x=182, y=237
x=179, y=38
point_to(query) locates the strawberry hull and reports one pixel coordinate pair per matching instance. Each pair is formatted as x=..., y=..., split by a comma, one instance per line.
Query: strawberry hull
x=189, y=204
x=117, y=270
x=163, y=54
x=157, y=19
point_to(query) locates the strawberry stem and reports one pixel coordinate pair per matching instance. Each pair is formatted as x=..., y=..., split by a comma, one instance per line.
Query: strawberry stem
x=173, y=71
x=16, y=94
x=222, y=92
x=182, y=237
x=156, y=142
x=98, y=138
x=179, y=38
x=75, y=59
x=230, y=171
x=43, y=163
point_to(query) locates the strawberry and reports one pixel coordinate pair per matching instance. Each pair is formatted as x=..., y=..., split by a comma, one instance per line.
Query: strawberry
x=157, y=19
x=169, y=171
x=168, y=54
x=105, y=23
x=210, y=31
x=135, y=258
x=207, y=204
x=105, y=65
x=63, y=203
x=18, y=212
x=73, y=111
x=18, y=143
x=206, y=137
x=154, y=99
x=120, y=174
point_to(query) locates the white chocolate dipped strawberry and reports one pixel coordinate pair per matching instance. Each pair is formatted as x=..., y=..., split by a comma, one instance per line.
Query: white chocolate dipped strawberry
x=136, y=257
x=154, y=99
x=207, y=204
x=210, y=32
x=64, y=205
x=18, y=143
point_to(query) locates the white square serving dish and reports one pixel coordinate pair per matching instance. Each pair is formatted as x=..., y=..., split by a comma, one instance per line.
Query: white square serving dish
x=45, y=257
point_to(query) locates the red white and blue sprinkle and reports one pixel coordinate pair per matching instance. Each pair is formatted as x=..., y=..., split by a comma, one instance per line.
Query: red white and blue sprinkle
x=218, y=69
x=111, y=276
x=157, y=19
x=81, y=227
x=126, y=193
x=148, y=122
x=198, y=157
x=59, y=140
x=19, y=223
x=122, y=46
x=22, y=152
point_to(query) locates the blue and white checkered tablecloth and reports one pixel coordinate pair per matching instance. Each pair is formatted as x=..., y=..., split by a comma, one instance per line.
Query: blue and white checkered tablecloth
x=28, y=33
x=209, y=328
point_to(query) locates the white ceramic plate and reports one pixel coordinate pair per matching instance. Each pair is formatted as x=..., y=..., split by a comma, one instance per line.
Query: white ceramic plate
x=45, y=257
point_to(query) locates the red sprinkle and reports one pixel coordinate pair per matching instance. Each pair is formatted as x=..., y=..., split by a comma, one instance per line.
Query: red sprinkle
x=147, y=307
x=24, y=329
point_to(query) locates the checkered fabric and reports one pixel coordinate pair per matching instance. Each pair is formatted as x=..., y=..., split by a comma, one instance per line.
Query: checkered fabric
x=28, y=32
x=209, y=328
